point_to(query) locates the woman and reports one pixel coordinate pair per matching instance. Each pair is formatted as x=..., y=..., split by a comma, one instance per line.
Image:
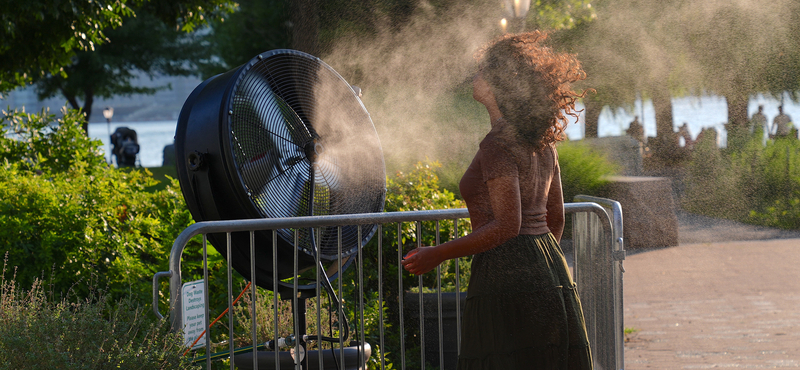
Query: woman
x=522, y=309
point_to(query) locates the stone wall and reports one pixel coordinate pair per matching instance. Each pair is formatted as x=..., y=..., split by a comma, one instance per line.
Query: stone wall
x=648, y=210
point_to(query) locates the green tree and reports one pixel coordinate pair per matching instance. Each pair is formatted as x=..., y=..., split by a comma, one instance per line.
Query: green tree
x=628, y=51
x=145, y=44
x=307, y=25
x=742, y=50
x=317, y=26
x=559, y=14
x=39, y=37
x=674, y=48
x=256, y=26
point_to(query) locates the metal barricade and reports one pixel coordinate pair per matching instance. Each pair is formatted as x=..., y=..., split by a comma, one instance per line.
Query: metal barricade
x=599, y=278
x=596, y=256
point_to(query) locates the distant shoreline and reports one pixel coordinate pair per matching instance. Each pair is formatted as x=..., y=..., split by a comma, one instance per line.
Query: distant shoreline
x=698, y=112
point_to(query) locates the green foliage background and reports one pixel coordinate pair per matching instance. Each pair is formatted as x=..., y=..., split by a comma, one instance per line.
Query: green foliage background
x=71, y=219
x=40, y=37
x=67, y=216
x=752, y=182
x=583, y=169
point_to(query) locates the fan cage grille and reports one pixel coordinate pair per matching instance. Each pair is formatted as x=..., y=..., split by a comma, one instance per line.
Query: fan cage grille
x=293, y=119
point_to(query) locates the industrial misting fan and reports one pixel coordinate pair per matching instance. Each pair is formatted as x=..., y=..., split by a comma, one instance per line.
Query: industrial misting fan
x=283, y=135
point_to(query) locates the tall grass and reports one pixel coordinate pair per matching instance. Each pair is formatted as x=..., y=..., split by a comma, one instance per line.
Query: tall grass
x=38, y=331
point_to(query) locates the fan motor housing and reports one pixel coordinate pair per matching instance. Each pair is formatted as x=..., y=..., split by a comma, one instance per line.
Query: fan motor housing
x=283, y=135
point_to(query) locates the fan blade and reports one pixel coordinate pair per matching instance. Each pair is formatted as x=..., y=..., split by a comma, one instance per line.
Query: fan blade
x=283, y=195
x=269, y=135
x=328, y=173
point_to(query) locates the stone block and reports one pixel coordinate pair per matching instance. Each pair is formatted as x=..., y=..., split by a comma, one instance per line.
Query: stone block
x=648, y=210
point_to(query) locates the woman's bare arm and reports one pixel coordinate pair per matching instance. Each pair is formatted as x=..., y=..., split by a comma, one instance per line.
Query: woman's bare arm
x=555, y=207
x=507, y=210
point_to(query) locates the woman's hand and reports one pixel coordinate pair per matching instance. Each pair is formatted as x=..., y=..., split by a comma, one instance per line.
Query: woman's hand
x=421, y=260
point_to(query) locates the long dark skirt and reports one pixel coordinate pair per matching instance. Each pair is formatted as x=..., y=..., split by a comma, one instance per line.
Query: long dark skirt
x=523, y=310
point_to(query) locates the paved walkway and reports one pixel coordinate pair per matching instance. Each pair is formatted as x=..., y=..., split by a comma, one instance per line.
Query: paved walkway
x=727, y=297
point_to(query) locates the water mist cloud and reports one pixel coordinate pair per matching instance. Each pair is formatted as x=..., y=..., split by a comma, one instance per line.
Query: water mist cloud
x=693, y=47
x=409, y=77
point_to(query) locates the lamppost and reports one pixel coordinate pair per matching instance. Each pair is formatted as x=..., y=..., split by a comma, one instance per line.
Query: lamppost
x=516, y=10
x=108, y=113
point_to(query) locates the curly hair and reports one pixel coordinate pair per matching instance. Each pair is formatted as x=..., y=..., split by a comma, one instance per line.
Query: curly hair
x=531, y=83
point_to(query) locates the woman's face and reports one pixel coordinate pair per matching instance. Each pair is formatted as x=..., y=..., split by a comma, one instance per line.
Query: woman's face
x=481, y=91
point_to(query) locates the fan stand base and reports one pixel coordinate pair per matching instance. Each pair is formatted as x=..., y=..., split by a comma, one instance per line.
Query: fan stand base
x=266, y=359
x=331, y=359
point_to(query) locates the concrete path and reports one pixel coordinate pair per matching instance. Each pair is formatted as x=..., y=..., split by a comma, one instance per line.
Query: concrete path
x=713, y=301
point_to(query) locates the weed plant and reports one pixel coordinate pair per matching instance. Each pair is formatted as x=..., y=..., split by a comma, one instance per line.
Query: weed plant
x=40, y=331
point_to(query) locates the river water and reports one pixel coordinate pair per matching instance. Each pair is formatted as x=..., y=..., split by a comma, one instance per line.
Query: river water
x=153, y=137
x=697, y=112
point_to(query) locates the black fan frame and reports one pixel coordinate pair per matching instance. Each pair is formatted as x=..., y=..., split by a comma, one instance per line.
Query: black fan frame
x=215, y=192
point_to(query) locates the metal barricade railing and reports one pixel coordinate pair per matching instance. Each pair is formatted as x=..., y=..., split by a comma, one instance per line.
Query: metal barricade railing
x=601, y=289
x=596, y=254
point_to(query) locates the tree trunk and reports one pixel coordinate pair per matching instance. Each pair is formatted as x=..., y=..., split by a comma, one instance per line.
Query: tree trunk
x=591, y=115
x=71, y=99
x=73, y=102
x=662, y=103
x=737, y=127
x=87, y=109
x=305, y=16
x=665, y=145
x=737, y=110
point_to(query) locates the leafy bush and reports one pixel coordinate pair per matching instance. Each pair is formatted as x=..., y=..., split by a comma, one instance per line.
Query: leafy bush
x=40, y=332
x=415, y=190
x=46, y=144
x=64, y=211
x=752, y=183
x=783, y=213
x=772, y=184
x=710, y=183
x=583, y=169
x=419, y=190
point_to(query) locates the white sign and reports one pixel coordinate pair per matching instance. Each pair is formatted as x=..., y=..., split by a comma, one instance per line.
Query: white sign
x=194, y=313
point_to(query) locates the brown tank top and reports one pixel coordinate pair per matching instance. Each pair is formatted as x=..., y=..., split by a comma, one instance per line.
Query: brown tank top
x=501, y=155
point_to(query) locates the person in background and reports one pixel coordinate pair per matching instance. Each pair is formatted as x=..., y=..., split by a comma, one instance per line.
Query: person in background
x=759, y=121
x=683, y=132
x=636, y=130
x=126, y=146
x=522, y=310
x=782, y=124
